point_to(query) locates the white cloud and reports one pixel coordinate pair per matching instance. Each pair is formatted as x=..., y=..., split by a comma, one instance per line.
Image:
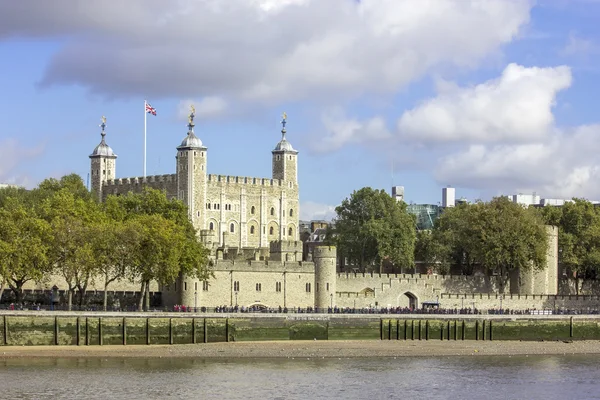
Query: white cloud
x=309, y=210
x=564, y=165
x=206, y=107
x=12, y=156
x=264, y=50
x=341, y=130
x=578, y=46
x=517, y=107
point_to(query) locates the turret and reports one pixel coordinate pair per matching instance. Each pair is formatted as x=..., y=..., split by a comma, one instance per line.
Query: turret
x=285, y=158
x=103, y=164
x=324, y=258
x=285, y=168
x=191, y=174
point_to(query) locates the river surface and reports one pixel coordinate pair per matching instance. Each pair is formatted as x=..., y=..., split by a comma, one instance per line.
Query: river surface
x=516, y=377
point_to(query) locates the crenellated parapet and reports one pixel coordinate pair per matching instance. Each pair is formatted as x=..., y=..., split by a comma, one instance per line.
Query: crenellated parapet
x=167, y=178
x=244, y=180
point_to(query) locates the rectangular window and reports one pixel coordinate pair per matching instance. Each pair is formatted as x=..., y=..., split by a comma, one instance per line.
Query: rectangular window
x=317, y=287
x=328, y=287
x=236, y=286
x=308, y=287
x=278, y=286
x=184, y=285
x=258, y=287
x=195, y=285
x=205, y=286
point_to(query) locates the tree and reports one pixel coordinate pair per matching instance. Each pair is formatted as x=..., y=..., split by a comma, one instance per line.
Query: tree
x=166, y=243
x=371, y=226
x=71, y=216
x=24, y=242
x=114, y=246
x=578, y=237
x=500, y=235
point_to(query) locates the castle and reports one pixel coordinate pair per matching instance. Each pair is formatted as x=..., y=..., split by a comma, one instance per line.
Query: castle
x=250, y=226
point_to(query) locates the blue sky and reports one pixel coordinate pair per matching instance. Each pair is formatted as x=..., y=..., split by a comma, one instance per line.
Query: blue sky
x=491, y=97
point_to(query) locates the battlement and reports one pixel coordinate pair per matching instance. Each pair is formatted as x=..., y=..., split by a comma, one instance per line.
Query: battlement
x=244, y=180
x=168, y=178
x=325, y=252
x=285, y=246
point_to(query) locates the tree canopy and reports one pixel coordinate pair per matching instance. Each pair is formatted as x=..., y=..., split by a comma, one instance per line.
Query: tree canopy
x=578, y=237
x=371, y=227
x=57, y=228
x=498, y=235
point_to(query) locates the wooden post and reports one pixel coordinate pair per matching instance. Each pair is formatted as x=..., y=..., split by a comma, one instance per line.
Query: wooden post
x=56, y=331
x=483, y=329
x=87, y=332
x=570, y=327
x=205, y=332
x=476, y=330
x=124, y=331
x=412, y=330
x=397, y=329
x=381, y=329
x=193, y=330
x=100, y=331
x=448, y=329
x=455, y=329
x=463, y=329
x=405, y=329
x=491, y=331
x=420, y=329
x=427, y=330
x=147, y=330
x=170, y=330
x=77, y=329
x=226, y=329
x=5, y=331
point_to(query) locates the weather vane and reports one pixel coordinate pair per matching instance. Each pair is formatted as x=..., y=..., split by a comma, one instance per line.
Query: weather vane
x=103, y=124
x=191, y=117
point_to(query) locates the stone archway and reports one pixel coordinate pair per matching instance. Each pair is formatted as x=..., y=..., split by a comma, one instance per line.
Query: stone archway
x=408, y=300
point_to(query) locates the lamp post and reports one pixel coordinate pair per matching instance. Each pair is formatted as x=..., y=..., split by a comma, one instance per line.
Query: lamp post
x=236, y=303
x=195, y=300
x=331, y=296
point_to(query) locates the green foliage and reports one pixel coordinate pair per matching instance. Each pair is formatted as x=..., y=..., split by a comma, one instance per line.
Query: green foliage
x=578, y=236
x=59, y=228
x=371, y=227
x=499, y=235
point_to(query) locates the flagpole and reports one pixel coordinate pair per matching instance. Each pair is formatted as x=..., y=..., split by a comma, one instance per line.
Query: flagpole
x=145, y=116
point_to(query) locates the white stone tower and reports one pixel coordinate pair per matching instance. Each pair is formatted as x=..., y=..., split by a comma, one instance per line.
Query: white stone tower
x=191, y=174
x=285, y=158
x=103, y=164
x=285, y=168
x=324, y=258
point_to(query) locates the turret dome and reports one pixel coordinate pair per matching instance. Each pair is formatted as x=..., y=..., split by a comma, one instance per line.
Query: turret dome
x=103, y=149
x=283, y=144
x=191, y=140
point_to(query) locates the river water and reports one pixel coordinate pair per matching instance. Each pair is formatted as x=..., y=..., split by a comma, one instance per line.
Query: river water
x=521, y=377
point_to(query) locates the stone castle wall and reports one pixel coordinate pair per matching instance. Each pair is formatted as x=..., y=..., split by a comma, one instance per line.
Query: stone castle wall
x=167, y=183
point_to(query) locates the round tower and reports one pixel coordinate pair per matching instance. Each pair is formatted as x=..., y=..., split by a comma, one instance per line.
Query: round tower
x=324, y=258
x=103, y=164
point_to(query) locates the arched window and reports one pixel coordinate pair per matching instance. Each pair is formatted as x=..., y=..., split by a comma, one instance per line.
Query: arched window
x=252, y=230
x=272, y=210
x=232, y=228
x=211, y=226
x=291, y=212
x=290, y=232
x=252, y=210
x=270, y=230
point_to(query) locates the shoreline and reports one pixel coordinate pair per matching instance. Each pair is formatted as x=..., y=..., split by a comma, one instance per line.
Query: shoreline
x=308, y=349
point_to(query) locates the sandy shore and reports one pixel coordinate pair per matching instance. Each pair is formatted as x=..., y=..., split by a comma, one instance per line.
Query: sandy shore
x=311, y=349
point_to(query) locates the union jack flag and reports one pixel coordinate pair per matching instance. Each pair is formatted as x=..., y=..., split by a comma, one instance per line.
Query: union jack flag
x=150, y=109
